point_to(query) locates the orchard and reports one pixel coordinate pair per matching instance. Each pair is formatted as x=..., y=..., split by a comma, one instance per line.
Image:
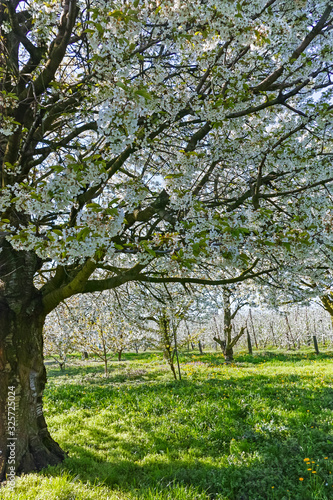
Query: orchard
x=155, y=144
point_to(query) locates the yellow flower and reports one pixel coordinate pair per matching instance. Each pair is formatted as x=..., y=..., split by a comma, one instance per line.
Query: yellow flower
x=309, y=469
x=314, y=472
x=301, y=478
x=306, y=460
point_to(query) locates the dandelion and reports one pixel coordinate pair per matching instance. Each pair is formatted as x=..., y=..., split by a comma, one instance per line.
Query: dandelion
x=314, y=472
x=306, y=460
x=301, y=478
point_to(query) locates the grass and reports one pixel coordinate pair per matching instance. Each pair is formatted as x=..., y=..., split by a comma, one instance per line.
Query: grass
x=258, y=429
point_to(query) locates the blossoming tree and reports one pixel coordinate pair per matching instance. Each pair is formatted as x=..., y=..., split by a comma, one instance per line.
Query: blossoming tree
x=151, y=141
x=59, y=337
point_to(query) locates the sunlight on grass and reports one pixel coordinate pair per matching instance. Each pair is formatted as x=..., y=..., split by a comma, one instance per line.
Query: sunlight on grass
x=260, y=428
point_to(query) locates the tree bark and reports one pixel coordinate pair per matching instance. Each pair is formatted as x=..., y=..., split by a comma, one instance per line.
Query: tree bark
x=253, y=330
x=227, y=350
x=22, y=370
x=227, y=346
x=249, y=343
x=315, y=343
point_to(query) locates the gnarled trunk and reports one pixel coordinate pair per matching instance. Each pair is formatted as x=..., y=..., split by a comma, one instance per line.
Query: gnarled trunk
x=226, y=344
x=327, y=301
x=227, y=350
x=25, y=443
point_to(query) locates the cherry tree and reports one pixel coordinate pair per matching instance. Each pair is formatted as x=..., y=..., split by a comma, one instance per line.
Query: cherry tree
x=94, y=324
x=59, y=337
x=101, y=327
x=161, y=311
x=229, y=340
x=289, y=327
x=180, y=142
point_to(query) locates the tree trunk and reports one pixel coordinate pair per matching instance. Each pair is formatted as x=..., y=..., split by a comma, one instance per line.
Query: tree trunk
x=273, y=335
x=315, y=343
x=249, y=343
x=172, y=366
x=25, y=443
x=253, y=330
x=227, y=350
x=22, y=370
x=327, y=301
x=228, y=354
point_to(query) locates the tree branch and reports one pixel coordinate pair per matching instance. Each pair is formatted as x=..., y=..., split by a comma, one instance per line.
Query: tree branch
x=269, y=80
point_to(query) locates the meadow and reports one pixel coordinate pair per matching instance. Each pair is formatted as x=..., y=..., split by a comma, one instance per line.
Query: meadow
x=261, y=428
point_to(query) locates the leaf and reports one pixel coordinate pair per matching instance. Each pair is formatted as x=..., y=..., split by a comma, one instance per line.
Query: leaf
x=81, y=236
x=143, y=93
x=100, y=28
x=149, y=250
x=122, y=86
x=286, y=245
x=173, y=176
x=196, y=249
x=93, y=205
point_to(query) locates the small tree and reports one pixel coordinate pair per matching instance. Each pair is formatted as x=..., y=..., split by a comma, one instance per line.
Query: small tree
x=59, y=340
x=101, y=327
x=160, y=311
x=227, y=344
x=167, y=340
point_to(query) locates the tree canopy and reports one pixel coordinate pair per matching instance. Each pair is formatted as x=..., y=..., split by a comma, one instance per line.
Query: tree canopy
x=140, y=138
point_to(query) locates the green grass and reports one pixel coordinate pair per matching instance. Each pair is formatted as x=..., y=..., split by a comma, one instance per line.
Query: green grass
x=237, y=432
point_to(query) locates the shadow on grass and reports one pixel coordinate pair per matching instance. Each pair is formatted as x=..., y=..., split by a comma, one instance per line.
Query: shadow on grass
x=292, y=357
x=239, y=437
x=93, y=365
x=209, y=481
x=257, y=358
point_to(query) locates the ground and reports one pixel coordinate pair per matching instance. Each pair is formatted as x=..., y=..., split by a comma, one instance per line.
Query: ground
x=260, y=428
